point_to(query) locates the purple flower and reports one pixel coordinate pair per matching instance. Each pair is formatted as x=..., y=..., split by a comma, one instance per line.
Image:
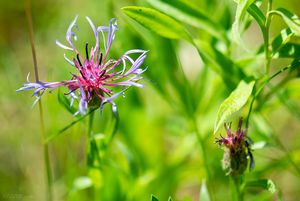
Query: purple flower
x=237, y=150
x=98, y=75
x=233, y=140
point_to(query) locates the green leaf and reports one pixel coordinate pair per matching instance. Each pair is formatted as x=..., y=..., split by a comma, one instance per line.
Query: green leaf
x=217, y=61
x=232, y=105
x=289, y=50
x=289, y=18
x=259, y=145
x=204, y=195
x=258, y=15
x=186, y=13
x=265, y=184
x=170, y=199
x=157, y=22
x=82, y=183
x=80, y=118
x=239, y=16
x=280, y=40
x=153, y=198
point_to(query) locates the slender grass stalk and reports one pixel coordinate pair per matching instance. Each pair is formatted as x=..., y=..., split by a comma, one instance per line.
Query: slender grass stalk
x=49, y=193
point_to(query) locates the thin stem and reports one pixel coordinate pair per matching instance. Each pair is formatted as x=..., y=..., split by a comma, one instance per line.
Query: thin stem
x=237, y=194
x=202, y=147
x=46, y=155
x=284, y=149
x=272, y=91
x=267, y=38
x=94, y=151
x=90, y=127
x=266, y=81
x=49, y=193
x=289, y=157
x=115, y=128
x=204, y=156
x=252, y=102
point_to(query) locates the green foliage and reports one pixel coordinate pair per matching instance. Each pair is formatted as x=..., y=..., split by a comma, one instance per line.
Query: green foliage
x=241, y=11
x=290, y=19
x=232, y=105
x=157, y=22
x=65, y=102
x=82, y=183
x=209, y=63
x=188, y=14
x=265, y=184
x=204, y=195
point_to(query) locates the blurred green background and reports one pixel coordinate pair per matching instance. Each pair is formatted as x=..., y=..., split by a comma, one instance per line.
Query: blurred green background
x=155, y=150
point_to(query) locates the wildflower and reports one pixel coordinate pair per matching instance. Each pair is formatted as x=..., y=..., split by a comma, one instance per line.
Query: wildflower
x=237, y=150
x=98, y=76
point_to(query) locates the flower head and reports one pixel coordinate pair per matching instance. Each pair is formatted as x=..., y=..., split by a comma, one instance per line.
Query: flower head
x=98, y=75
x=237, y=150
x=233, y=140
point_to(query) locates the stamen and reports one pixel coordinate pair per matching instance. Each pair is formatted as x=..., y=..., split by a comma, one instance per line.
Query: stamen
x=82, y=74
x=79, y=60
x=86, y=51
x=100, y=60
x=103, y=72
x=69, y=92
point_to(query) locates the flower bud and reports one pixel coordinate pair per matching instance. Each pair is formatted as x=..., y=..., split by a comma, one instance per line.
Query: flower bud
x=237, y=150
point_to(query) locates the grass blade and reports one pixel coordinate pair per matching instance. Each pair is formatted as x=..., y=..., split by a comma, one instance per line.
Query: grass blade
x=157, y=22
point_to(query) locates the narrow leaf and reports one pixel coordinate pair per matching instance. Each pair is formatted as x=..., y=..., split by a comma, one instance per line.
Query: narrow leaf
x=232, y=105
x=289, y=50
x=186, y=13
x=258, y=15
x=239, y=16
x=157, y=22
x=259, y=145
x=51, y=137
x=217, y=60
x=82, y=183
x=280, y=40
x=153, y=198
x=265, y=184
x=292, y=20
x=204, y=195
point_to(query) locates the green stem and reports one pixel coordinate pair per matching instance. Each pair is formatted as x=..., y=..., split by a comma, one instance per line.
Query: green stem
x=93, y=154
x=284, y=149
x=267, y=38
x=265, y=82
x=49, y=193
x=272, y=91
x=90, y=126
x=237, y=194
x=46, y=155
x=115, y=128
x=204, y=157
x=289, y=157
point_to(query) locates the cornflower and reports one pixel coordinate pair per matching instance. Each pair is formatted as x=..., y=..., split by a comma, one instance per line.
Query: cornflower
x=237, y=150
x=98, y=76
